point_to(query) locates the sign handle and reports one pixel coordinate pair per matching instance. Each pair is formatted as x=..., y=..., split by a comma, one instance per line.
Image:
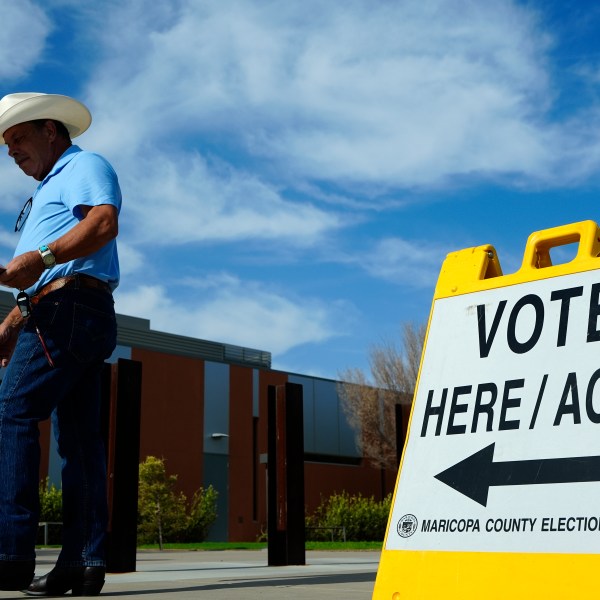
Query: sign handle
x=539, y=244
x=478, y=268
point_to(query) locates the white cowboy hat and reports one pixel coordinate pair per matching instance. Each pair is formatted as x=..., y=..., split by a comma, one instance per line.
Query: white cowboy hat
x=29, y=106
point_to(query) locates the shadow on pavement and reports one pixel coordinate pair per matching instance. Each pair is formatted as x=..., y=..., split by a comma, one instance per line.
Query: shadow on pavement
x=282, y=582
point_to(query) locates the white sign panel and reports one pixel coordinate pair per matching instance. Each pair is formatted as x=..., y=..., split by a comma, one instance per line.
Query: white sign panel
x=504, y=447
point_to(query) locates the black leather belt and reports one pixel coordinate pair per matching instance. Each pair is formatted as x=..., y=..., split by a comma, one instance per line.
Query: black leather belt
x=76, y=281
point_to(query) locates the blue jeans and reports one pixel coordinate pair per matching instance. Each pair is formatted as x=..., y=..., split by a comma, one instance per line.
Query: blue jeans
x=79, y=328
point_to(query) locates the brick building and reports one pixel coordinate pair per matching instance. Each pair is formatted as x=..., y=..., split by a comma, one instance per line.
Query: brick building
x=203, y=409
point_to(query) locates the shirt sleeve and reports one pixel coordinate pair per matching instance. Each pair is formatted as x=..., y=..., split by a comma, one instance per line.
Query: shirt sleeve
x=92, y=182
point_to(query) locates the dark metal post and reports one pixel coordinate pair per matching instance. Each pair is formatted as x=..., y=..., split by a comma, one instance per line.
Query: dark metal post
x=285, y=472
x=294, y=446
x=121, y=414
x=276, y=534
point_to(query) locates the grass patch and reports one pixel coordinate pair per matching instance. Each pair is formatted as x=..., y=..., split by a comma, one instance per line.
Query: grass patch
x=216, y=546
x=344, y=546
x=210, y=546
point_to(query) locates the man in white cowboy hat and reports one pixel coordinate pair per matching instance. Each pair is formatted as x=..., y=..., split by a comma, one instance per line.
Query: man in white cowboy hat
x=55, y=341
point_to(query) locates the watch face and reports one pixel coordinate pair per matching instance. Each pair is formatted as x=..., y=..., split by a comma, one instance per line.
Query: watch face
x=48, y=258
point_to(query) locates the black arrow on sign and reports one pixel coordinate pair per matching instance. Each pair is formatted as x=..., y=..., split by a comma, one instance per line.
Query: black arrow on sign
x=474, y=475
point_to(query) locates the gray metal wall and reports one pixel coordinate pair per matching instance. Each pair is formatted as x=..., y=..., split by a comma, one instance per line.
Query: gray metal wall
x=326, y=429
x=216, y=442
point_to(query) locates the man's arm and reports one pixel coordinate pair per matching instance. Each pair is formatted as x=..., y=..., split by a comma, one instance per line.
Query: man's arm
x=99, y=225
x=9, y=332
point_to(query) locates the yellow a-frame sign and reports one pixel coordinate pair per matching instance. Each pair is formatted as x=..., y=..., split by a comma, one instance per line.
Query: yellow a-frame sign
x=498, y=494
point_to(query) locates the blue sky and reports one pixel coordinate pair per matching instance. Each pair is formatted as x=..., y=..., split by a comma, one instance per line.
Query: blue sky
x=295, y=172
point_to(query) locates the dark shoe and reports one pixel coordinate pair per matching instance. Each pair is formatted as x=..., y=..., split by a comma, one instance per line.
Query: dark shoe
x=84, y=581
x=16, y=574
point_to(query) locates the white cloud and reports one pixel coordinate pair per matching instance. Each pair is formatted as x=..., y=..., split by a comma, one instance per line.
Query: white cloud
x=25, y=28
x=16, y=187
x=235, y=312
x=174, y=200
x=349, y=91
x=312, y=98
x=130, y=259
x=8, y=239
x=400, y=94
x=403, y=262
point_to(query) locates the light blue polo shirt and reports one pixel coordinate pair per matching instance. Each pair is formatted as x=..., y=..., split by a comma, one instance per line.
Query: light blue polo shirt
x=78, y=178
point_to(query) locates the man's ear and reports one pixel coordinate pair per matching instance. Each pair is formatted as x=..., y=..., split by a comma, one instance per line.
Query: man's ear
x=49, y=130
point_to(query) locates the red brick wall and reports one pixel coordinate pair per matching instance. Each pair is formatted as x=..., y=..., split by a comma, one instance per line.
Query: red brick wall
x=172, y=419
x=322, y=480
x=243, y=464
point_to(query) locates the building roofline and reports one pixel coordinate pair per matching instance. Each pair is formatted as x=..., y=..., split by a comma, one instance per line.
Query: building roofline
x=136, y=332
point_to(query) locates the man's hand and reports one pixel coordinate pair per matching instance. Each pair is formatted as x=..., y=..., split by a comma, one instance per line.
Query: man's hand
x=23, y=270
x=9, y=332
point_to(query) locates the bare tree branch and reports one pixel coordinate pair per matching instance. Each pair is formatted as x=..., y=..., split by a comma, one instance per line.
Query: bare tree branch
x=370, y=404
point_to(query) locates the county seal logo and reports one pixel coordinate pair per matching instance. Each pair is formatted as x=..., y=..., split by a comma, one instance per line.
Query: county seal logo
x=407, y=525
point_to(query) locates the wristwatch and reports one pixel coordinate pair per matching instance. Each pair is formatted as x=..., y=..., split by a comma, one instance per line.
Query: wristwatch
x=47, y=257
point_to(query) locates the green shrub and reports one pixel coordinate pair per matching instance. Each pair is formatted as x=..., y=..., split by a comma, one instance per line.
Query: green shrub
x=202, y=514
x=50, y=511
x=50, y=502
x=164, y=514
x=364, y=519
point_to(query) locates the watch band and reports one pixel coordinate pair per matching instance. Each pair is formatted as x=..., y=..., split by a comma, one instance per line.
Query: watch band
x=48, y=257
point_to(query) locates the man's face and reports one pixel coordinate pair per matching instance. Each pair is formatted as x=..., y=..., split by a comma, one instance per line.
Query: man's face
x=31, y=148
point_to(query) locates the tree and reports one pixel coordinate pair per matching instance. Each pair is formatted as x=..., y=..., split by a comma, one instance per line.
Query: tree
x=161, y=510
x=164, y=514
x=370, y=403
